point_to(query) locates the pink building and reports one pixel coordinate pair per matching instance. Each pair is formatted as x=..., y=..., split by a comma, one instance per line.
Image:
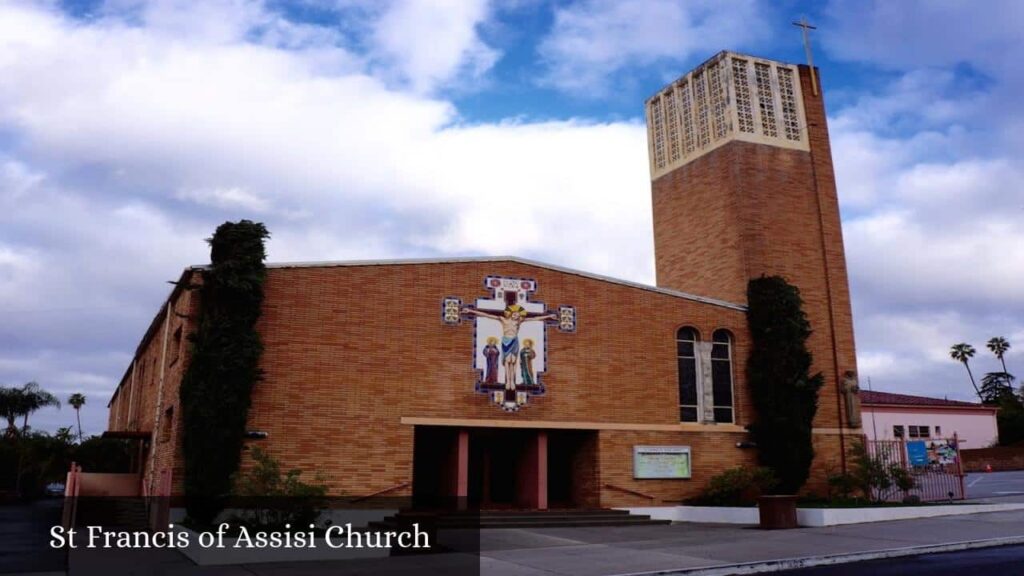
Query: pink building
x=888, y=416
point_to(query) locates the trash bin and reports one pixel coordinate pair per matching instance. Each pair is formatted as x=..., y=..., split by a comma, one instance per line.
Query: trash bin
x=777, y=512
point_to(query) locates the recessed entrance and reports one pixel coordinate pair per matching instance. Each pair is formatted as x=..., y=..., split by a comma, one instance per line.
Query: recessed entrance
x=504, y=468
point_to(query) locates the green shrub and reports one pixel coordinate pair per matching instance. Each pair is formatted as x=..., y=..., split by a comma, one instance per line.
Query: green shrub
x=738, y=486
x=272, y=500
x=784, y=393
x=217, y=386
x=1010, y=419
x=877, y=478
x=841, y=485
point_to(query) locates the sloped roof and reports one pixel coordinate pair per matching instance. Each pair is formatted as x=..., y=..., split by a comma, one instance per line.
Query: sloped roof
x=496, y=259
x=893, y=399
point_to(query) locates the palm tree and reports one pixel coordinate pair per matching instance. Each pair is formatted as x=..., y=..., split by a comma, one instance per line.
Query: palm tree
x=33, y=398
x=76, y=401
x=998, y=345
x=10, y=407
x=963, y=352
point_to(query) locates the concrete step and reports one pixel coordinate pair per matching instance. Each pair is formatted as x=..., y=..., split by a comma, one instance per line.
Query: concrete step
x=520, y=519
x=122, y=513
x=574, y=512
x=545, y=513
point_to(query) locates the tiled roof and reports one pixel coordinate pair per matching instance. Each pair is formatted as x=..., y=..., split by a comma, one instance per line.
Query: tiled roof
x=890, y=398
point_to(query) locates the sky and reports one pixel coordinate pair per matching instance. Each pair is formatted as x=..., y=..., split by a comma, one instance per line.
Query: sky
x=375, y=129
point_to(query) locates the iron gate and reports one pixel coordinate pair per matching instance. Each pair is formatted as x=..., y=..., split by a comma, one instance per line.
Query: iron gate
x=934, y=465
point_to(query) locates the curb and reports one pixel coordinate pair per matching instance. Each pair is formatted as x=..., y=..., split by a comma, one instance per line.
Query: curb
x=832, y=559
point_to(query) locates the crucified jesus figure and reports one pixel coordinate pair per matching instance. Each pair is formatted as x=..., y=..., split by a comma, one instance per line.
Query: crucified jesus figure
x=511, y=319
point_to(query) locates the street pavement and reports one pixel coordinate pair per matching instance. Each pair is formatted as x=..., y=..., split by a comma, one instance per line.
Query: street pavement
x=995, y=486
x=604, y=551
x=25, y=536
x=588, y=551
x=1000, y=561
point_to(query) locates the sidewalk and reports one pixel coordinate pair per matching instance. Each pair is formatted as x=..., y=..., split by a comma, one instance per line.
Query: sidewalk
x=608, y=551
x=630, y=550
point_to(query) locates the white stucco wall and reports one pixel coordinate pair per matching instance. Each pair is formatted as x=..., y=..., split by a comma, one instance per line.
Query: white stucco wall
x=974, y=428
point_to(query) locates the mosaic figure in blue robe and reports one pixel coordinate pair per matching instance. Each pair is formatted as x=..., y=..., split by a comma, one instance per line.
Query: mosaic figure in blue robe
x=526, y=357
x=511, y=319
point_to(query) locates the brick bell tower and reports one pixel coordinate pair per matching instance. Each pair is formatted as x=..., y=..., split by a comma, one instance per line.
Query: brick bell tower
x=743, y=185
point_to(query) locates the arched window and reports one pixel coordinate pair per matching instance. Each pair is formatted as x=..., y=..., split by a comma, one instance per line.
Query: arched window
x=686, y=353
x=721, y=375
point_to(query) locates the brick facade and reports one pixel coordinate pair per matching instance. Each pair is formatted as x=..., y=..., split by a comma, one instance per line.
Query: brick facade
x=996, y=459
x=357, y=356
x=747, y=209
x=146, y=400
x=353, y=350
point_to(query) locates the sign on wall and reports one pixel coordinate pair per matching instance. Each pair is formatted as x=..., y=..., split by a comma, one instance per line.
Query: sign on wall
x=931, y=452
x=661, y=462
x=510, y=338
x=942, y=452
x=917, y=453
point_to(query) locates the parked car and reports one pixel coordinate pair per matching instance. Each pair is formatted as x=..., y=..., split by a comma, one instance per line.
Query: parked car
x=55, y=489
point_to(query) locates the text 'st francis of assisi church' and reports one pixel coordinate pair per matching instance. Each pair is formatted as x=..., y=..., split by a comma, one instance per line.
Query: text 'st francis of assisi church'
x=512, y=383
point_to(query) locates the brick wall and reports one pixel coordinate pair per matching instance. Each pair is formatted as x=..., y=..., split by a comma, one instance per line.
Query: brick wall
x=711, y=453
x=749, y=209
x=586, y=470
x=350, y=351
x=142, y=403
x=355, y=349
x=1000, y=458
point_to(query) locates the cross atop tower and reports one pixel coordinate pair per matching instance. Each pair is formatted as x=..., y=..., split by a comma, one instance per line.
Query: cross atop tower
x=807, y=48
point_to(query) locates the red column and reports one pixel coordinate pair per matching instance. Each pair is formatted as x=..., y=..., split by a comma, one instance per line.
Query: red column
x=533, y=473
x=542, y=470
x=462, y=469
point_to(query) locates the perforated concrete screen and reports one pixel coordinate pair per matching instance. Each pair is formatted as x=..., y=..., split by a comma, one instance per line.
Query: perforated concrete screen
x=729, y=97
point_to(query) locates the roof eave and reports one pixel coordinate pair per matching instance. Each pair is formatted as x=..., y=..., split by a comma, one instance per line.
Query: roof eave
x=939, y=406
x=514, y=259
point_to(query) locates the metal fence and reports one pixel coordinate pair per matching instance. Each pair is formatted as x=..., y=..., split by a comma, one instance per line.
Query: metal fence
x=933, y=464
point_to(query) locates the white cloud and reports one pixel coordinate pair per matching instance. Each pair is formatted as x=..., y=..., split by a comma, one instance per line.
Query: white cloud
x=429, y=44
x=126, y=140
x=233, y=197
x=923, y=33
x=16, y=178
x=593, y=39
x=132, y=145
x=931, y=185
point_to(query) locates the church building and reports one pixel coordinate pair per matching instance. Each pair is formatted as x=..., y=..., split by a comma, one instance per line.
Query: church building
x=505, y=382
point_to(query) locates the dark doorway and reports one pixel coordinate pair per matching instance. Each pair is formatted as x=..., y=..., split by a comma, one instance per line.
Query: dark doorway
x=496, y=459
x=506, y=468
x=434, y=467
x=572, y=469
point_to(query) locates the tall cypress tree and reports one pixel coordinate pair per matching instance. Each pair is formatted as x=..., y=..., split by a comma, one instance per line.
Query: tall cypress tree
x=784, y=393
x=217, y=387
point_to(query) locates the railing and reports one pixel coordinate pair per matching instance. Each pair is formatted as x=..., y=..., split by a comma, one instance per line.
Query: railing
x=934, y=465
x=381, y=492
x=628, y=491
x=72, y=488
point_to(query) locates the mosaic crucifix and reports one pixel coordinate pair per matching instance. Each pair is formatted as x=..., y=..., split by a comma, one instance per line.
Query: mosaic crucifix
x=510, y=345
